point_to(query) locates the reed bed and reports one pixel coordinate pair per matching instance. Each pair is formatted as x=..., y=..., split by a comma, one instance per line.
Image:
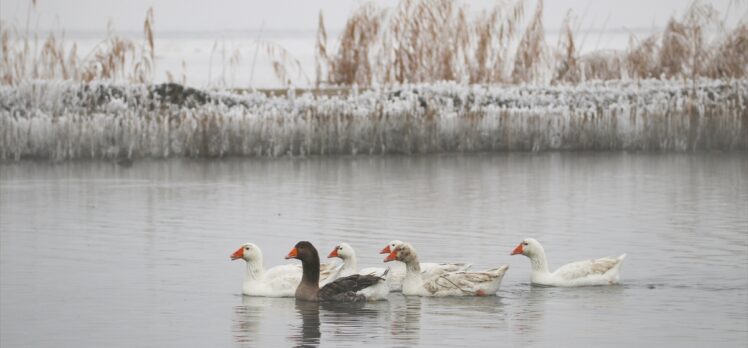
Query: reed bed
x=114, y=59
x=24, y=57
x=421, y=41
x=417, y=41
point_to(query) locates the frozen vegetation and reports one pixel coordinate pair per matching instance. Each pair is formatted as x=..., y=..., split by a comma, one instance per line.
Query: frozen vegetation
x=682, y=88
x=67, y=120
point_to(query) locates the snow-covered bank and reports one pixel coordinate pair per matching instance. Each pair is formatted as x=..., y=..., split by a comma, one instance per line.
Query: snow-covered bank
x=62, y=120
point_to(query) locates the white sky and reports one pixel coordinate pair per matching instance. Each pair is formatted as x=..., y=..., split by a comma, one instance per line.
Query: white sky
x=216, y=15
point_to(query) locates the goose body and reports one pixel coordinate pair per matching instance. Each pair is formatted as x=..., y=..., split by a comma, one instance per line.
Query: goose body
x=460, y=283
x=278, y=281
x=602, y=271
x=352, y=288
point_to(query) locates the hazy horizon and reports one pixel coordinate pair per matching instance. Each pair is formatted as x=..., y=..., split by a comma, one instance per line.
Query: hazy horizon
x=193, y=16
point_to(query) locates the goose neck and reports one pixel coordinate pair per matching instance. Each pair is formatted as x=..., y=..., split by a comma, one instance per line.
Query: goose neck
x=539, y=262
x=310, y=269
x=350, y=264
x=255, y=271
x=413, y=267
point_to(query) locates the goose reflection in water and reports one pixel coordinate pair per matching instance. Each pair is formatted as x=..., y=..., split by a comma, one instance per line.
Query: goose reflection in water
x=345, y=321
x=251, y=318
x=309, y=333
x=405, y=318
x=260, y=321
x=338, y=321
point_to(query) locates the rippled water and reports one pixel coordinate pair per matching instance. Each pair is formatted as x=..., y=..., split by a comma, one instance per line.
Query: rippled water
x=96, y=254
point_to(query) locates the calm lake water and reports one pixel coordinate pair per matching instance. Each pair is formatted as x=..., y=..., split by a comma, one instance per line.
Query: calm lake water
x=95, y=254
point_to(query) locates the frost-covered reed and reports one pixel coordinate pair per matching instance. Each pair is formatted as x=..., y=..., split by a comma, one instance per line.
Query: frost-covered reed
x=66, y=120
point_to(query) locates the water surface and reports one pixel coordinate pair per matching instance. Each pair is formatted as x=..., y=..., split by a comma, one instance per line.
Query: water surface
x=97, y=254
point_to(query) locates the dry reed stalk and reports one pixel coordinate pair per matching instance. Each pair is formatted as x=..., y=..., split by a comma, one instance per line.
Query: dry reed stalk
x=144, y=69
x=284, y=64
x=731, y=55
x=8, y=63
x=641, y=59
x=72, y=63
x=351, y=64
x=148, y=32
x=683, y=47
x=52, y=59
x=184, y=73
x=109, y=63
x=531, y=51
x=234, y=60
x=494, y=33
x=320, y=55
x=601, y=65
x=566, y=56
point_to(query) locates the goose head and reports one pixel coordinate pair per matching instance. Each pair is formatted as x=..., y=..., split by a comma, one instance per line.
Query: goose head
x=343, y=251
x=390, y=247
x=303, y=251
x=528, y=247
x=248, y=252
x=403, y=252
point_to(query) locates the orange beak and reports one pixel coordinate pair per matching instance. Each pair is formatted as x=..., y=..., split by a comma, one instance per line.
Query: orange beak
x=292, y=254
x=386, y=250
x=238, y=254
x=333, y=253
x=391, y=257
x=518, y=250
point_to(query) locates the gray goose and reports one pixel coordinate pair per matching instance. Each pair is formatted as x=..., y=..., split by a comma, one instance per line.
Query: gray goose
x=353, y=288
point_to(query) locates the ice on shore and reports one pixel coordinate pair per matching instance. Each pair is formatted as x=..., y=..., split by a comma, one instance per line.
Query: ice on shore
x=63, y=120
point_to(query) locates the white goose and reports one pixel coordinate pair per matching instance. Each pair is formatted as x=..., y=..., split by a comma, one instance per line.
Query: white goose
x=602, y=271
x=447, y=283
x=345, y=252
x=279, y=281
x=397, y=270
x=430, y=267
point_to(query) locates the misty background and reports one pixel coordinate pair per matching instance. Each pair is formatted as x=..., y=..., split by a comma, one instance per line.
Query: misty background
x=197, y=15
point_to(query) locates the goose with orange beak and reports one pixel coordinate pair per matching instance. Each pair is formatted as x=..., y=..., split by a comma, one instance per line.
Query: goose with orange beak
x=459, y=283
x=353, y=288
x=429, y=269
x=602, y=271
x=278, y=281
x=347, y=254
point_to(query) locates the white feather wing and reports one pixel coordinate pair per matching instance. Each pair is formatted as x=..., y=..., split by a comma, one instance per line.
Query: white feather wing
x=581, y=269
x=465, y=282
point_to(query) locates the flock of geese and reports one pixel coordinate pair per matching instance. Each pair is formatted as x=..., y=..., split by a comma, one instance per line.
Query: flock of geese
x=313, y=281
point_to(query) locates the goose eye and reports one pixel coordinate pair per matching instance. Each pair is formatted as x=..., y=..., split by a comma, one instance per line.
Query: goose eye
x=246, y=248
x=525, y=243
